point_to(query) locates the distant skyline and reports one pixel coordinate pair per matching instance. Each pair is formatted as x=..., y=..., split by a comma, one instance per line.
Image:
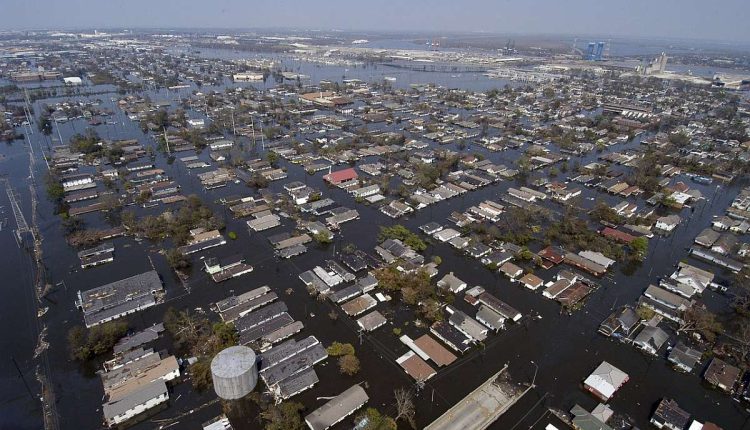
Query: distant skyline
x=720, y=20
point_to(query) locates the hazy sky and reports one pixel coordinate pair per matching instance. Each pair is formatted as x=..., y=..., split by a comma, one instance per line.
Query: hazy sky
x=717, y=19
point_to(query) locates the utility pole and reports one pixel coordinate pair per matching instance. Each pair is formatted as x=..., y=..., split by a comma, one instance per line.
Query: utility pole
x=59, y=136
x=166, y=140
x=25, y=384
x=262, y=138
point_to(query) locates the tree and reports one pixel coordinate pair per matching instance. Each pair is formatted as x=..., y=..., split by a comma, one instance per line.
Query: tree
x=349, y=364
x=55, y=190
x=741, y=335
x=322, y=237
x=639, y=246
x=272, y=158
x=200, y=374
x=602, y=212
x=338, y=349
x=285, y=416
x=99, y=339
x=645, y=313
x=177, y=260
x=374, y=420
x=701, y=320
x=405, y=408
x=403, y=234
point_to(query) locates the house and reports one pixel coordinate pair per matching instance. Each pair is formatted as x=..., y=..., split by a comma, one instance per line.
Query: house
x=694, y=278
x=556, y=288
x=497, y=258
x=531, y=281
x=651, y=339
x=451, y=283
x=594, y=420
x=367, y=191
x=722, y=375
x=493, y=320
x=511, y=270
x=466, y=325
x=725, y=244
x=707, y=238
x=597, y=257
x=415, y=367
x=478, y=250
x=669, y=415
x=684, y=358
x=431, y=228
x=137, y=402
x=340, y=176
x=446, y=234
x=620, y=322
x=722, y=223
x=668, y=223
x=605, y=381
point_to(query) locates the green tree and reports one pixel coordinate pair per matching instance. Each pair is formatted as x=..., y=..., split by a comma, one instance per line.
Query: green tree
x=273, y=158
x=200, y=374
x=375, y=420
x=99, y=339
x=338, y=349
x=322, y=238
x=639, y=246
x=403, y=234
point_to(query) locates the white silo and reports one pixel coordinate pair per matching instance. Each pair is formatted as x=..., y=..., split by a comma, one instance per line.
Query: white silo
x=234, y=372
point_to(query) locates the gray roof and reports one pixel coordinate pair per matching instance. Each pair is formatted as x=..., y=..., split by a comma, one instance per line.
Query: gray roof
x=137, y=339
x=653, y=336
x=684, y=356
x=371, y=321
x=337, y=408
x=111, y=299
x=138, y=397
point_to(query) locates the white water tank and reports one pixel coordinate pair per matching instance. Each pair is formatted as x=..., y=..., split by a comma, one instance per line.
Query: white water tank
x=234, y=372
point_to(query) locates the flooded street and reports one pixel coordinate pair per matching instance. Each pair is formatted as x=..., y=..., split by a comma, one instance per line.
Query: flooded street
x=559, y=350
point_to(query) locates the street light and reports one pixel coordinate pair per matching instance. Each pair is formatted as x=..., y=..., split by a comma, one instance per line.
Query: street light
x=536, y=368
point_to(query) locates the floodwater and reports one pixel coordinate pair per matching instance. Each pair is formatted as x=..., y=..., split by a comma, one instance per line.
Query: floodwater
x=565, y=348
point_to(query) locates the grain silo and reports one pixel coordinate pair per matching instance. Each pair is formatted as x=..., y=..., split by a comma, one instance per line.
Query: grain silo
x=234, y=372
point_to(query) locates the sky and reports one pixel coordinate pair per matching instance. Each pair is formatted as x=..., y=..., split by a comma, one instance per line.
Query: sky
x=721, y=20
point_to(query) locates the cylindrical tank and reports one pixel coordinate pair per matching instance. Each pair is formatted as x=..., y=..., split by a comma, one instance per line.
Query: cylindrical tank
x=234, y=372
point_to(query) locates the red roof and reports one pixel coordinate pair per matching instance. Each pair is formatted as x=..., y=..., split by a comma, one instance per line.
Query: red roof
x=340, y=176
x=551, y=254
x=617, y=235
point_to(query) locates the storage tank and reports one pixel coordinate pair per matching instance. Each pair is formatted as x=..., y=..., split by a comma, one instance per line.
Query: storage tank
x=234, y=372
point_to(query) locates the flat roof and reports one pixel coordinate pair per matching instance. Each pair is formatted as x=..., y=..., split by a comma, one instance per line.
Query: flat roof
x=415, y=366
x=439, y=354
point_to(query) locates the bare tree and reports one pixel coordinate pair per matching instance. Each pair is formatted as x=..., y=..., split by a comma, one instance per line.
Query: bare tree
x=701, y=320
x=405, y=405
x=741, y=336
